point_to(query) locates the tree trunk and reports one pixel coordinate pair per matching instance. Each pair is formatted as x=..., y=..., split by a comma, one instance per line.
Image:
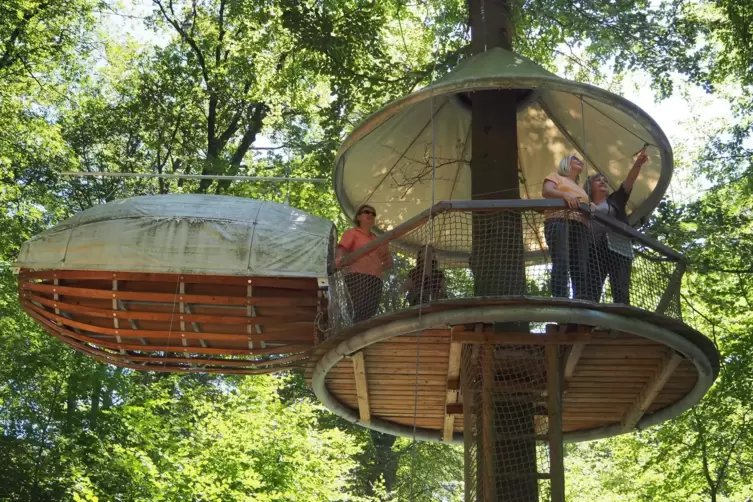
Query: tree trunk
x=71, y=397
x=385, y=462
x=497, y=259
x=112, y=382
x=96, y=397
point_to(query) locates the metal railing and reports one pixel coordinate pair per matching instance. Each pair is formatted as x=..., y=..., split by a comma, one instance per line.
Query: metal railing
x=505, y=248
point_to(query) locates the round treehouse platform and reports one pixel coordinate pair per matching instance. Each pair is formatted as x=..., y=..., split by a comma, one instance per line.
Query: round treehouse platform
x=490, y=358
x=182, y=283
x=624, y=366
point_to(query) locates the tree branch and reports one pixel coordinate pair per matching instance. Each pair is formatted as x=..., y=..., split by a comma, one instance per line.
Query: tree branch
x=260, y=111
x=232, y=128
x=221, y=34
x=213, y=99
x=186, y=38
x=7, y=58
x=722, y=471
x=704, y=454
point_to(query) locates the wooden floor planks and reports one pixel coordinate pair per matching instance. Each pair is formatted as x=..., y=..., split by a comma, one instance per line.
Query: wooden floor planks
x=608, y=376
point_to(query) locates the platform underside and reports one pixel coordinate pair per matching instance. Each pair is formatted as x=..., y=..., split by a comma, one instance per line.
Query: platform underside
x=174, y=322
x=611, y=378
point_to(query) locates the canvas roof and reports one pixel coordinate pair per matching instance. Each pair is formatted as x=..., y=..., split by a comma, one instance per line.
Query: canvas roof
x=192, y=234
x=387, y=160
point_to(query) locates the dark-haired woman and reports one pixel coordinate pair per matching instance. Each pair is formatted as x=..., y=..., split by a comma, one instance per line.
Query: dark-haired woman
x=611, y=254
x=426, y=281
x=363, y=277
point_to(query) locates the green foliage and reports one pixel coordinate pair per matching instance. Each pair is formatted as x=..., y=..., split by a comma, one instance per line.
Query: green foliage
x=180, y=439
x=40, y=39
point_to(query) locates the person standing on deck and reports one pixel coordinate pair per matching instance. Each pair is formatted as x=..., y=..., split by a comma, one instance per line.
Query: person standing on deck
x=363, y=277
x=611, y=254
x=566, y=230
x=425, y=282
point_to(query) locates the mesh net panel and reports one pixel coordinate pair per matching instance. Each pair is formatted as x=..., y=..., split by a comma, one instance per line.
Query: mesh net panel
x=504, y=253
x=506, y=425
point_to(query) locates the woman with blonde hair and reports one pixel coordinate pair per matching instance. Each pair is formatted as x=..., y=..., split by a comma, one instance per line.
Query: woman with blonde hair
x=363, y=277
x=566, y=230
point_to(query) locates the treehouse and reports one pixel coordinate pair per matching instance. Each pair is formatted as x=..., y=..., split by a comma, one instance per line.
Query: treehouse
x=182, y=283
x=492, y=360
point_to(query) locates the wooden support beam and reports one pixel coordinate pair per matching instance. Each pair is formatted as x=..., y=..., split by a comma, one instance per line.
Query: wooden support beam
x=196, y=327
x=454, y=409
x=362, y=389
x=56, y=301
x=230, y=319
x=522, y=338
x=451, y=393
x=39, y=302
x=169, y=298
x=554, y=409
x=295, y=283
x=488, y=438
x=572, y=359
x=643, y=402
x=182, y=308
x=251, y=312
x=134, y=325
x=115, y=321
x=321, y=314
x=56, y=296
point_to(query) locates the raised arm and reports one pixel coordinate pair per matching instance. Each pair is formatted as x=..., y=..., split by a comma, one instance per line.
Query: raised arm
x=635, y=171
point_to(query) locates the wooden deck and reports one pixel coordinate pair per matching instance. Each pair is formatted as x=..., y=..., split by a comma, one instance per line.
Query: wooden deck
x=174, y=322
x=610, y=378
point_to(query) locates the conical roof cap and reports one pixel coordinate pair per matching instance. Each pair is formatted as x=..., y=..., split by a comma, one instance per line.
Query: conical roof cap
x=387, y=160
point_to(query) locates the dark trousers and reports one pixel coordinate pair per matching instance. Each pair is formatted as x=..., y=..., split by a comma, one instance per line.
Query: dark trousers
x=604, y=262
x=365, y=291
x=568, y=242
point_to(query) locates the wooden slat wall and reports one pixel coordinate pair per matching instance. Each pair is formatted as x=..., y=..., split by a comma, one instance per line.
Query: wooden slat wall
x=171, y=322
x=610, y=373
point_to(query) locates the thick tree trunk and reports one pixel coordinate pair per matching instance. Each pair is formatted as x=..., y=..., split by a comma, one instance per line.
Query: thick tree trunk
x=71, y=398
x=497, y=256
x=385, y=462
x=497, y=262
x=96, y=397
x=112, y=382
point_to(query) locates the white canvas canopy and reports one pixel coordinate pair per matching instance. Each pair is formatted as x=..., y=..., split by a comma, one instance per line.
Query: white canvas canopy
x=191, y=234
x=387, y=160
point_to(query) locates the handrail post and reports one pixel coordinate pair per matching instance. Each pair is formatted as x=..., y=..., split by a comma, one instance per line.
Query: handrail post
x=675, y=281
